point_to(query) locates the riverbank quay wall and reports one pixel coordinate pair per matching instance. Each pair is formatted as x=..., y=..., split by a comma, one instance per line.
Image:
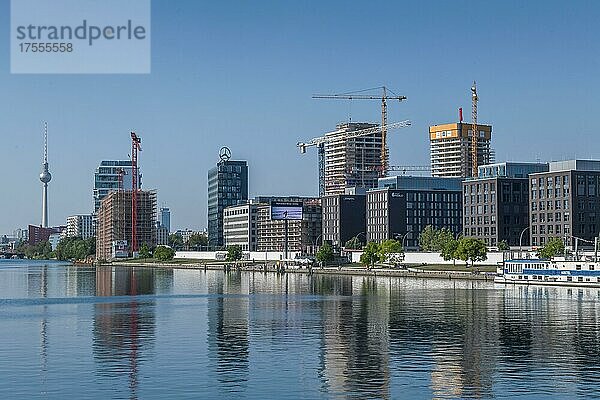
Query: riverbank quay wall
x=411, y=258
x=248, y=256
x=353, y=271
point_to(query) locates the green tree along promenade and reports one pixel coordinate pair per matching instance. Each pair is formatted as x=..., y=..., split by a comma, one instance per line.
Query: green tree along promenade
x=144, y=251
x=164, y=253
x=75, y=248
x=325, y=254
x=370, y=254
x=553, y=248
x=354, y=244
x=42, y=250
x=470, y=249
x=434, y=240
x=387, y=251
x=175, y=241
x=234, y=253
x=197, y=241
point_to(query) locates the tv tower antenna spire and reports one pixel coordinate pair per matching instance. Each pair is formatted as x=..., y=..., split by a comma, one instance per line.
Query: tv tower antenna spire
x=45, y=177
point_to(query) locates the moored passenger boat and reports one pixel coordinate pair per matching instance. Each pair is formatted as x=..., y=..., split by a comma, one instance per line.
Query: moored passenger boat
x=558, y=271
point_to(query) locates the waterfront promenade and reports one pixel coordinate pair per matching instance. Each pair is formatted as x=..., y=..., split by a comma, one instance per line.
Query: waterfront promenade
x=349, y=269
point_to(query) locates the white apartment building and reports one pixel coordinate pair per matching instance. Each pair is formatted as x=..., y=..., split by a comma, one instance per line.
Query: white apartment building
x=80, y=225
x=240, y=226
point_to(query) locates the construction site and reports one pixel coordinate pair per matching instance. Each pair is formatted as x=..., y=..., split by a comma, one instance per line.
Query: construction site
x=356, y=154
x=126, y=219
x=115, y=230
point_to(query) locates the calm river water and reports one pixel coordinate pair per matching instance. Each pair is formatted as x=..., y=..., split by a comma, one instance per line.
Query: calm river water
x=127, y=333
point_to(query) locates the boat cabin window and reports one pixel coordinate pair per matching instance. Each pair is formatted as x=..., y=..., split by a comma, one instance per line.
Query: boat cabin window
x=578, y=267
x=591, y=267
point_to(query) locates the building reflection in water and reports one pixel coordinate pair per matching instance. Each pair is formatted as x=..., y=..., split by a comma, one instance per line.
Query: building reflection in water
x=375, y=329
x=355, y=336
x=228, y=343
x=37, y=287
x=123, y=328
x=447, y=331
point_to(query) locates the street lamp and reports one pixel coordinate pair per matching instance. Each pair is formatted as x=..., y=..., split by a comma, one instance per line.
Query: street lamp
x=521, y=240
x=315, y=243
x=404, y=237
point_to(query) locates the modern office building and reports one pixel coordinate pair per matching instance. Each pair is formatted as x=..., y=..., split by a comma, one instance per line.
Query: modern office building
x=240, y=226
x=165, y=218
x=80, y=226
x=344, y=217
x=303, y=235
x=114, y=227
x=450, y=148
x=162, y=234
x=565, y=202
x=404, y=205
x=109, y=175
x=227, y=186
x=496, y=204
x=349, y=162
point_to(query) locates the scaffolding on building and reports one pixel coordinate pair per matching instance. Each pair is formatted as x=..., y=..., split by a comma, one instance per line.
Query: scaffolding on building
x=115, y=221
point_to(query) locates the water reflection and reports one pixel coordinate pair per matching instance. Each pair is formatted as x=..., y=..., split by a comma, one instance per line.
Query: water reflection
x=153, y=333
x=123, y=331
x=354, y=356
x=227, y=336
x=37, y=286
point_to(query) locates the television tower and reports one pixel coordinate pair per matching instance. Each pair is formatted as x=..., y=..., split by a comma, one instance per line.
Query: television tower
x=45, y=177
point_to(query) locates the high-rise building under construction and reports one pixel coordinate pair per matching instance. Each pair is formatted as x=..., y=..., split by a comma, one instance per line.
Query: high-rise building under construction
x=114, y=225
x=450, y=148
x=352, y=162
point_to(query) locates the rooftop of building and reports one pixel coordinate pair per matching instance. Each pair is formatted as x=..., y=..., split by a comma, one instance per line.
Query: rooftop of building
x=115, y=163
x=419, y=183
x=454, y=125
x=509, y=169
x=578, y=165
x=265, y=200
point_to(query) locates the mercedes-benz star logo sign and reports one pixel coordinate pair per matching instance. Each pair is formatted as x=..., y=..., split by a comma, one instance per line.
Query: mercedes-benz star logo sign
x=224, y=153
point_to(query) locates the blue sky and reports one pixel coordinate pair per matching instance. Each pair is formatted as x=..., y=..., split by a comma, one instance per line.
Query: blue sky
x=241, y=74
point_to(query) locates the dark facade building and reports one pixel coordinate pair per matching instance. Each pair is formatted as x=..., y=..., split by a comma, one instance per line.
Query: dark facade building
x=565, y=202
x=344, y=217
x=496, y=204
x=405, y=205
x=227, y=186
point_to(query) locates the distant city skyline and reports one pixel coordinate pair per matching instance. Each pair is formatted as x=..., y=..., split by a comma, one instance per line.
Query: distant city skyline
x=243, y=77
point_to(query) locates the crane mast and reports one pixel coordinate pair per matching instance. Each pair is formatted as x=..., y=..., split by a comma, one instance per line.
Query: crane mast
x=475, y=136
x=135, y=147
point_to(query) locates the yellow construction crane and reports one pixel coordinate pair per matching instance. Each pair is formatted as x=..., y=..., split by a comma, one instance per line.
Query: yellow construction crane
x=384, y=98
x=475, y=136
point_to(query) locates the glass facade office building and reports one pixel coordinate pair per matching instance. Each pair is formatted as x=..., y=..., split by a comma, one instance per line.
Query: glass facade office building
x=227, y=186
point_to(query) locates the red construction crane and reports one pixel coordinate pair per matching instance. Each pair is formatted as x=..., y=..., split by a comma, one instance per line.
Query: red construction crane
x=135, y=147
